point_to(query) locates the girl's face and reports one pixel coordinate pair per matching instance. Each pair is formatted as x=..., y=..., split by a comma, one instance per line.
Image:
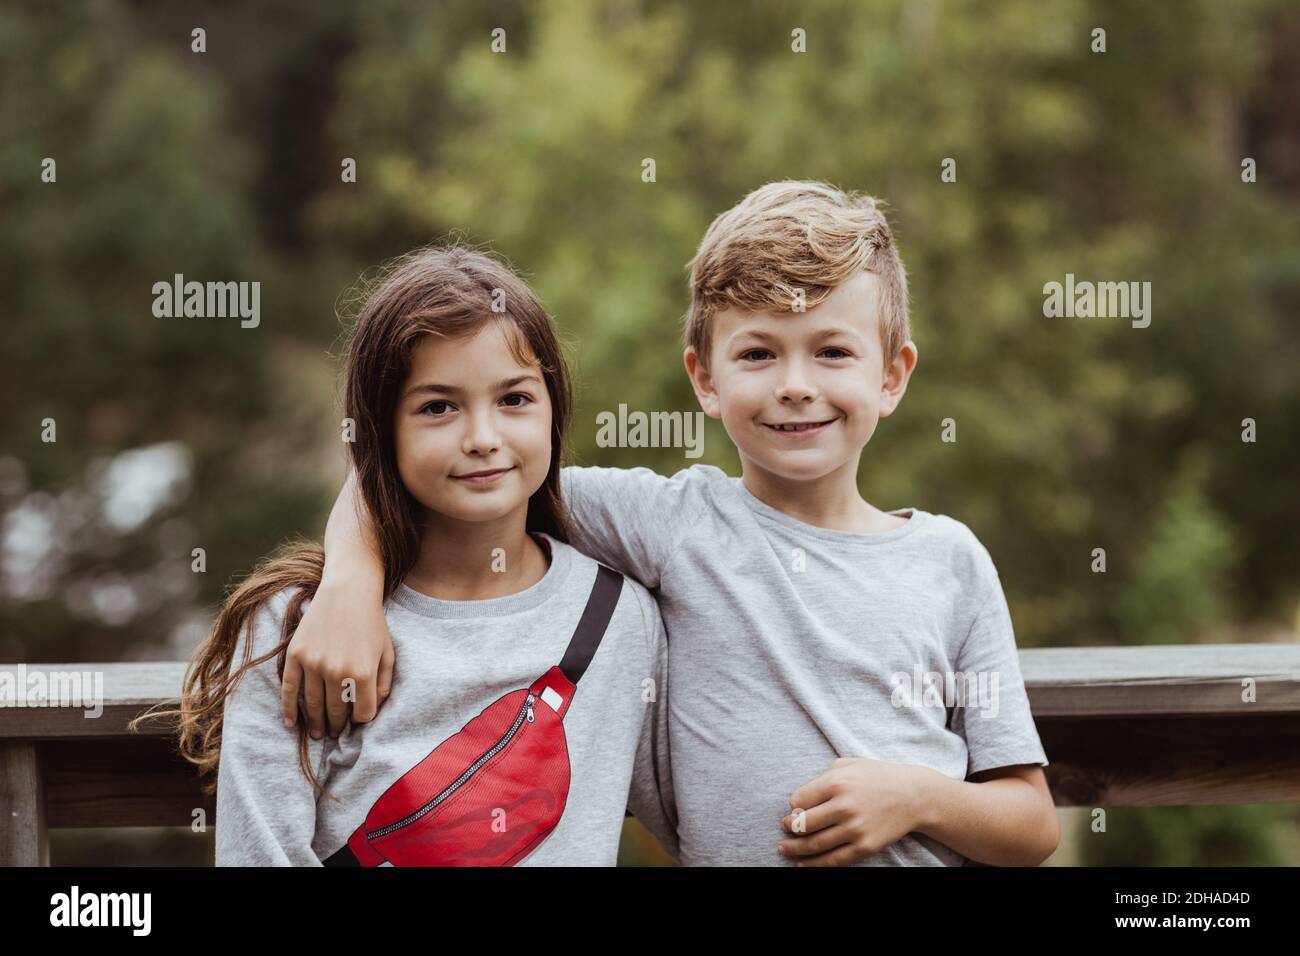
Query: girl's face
x=472, y=427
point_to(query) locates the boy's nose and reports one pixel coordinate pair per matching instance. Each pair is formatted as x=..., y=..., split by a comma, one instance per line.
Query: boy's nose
x=796, y=388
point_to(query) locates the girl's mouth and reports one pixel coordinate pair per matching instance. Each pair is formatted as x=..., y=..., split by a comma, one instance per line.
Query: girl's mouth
x=483, y=477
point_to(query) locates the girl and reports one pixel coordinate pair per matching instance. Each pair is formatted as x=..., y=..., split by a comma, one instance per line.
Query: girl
x=530, y=709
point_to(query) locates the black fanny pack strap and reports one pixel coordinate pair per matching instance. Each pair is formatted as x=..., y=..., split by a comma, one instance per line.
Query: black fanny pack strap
x=342, y=857
x=591, y=627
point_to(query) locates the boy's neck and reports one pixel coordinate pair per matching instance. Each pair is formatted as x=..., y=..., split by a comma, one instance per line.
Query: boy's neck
x=831, y=501
x=475, y=561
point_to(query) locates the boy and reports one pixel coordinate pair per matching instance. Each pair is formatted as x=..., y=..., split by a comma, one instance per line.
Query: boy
x=846, y=688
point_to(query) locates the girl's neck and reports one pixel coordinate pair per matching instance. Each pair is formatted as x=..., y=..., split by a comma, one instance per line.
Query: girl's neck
x=475, y=561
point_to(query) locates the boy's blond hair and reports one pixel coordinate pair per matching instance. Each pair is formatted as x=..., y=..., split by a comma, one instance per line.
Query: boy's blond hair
x=787, y=236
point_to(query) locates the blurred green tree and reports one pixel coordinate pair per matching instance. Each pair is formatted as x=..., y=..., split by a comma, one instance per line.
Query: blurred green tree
x=1072, y=434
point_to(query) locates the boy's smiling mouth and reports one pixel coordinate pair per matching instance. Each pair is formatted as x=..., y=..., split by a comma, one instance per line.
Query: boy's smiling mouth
x=799, y=428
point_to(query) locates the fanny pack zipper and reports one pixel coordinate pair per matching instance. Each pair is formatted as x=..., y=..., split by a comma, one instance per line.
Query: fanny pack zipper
x=525, y=713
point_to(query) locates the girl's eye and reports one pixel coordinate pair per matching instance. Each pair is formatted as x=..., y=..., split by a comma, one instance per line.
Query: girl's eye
x=439, y=407
x=761, y=353
x=520, y=395
x=842, y=352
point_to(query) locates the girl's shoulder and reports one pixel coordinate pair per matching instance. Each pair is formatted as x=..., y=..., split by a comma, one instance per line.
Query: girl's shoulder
x=266, y=623
x=636, y=607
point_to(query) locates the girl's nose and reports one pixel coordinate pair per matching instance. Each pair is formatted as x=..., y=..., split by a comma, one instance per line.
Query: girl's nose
x=481, y=437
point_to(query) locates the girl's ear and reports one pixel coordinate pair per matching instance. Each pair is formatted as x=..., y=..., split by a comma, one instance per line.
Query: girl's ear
x=702, y=382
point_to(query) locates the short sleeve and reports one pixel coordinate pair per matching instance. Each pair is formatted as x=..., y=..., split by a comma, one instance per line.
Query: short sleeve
x=651, y=798
x=994, y=718
x=631, y=518
x=266, y=806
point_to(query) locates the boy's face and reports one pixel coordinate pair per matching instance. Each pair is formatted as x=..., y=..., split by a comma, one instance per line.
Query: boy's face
x=820, y=370
x=472, y=428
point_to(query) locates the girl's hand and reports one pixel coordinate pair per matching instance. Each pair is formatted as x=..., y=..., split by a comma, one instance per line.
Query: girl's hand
x=856, y=808
x=343, y=635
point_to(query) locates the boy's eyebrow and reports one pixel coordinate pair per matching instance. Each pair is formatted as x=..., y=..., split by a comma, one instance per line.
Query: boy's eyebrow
x=435, y=388
x=817, y=336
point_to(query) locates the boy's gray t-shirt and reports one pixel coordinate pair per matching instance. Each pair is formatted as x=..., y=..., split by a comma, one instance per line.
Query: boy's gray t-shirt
x=791, y=646
x=453, y=659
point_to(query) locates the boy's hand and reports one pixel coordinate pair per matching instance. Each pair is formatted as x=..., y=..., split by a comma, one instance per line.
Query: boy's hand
x=339, y=637
x=856, y=808
x=344, y=633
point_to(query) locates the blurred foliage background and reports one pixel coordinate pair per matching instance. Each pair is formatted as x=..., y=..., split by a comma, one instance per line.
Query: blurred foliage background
x=1123, y=165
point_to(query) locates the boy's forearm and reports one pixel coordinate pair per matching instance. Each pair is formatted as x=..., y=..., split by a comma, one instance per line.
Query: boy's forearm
x=351, y=553
x=987, y=822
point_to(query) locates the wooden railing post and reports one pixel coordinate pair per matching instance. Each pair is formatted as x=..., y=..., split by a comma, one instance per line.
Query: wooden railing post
x=22, y=803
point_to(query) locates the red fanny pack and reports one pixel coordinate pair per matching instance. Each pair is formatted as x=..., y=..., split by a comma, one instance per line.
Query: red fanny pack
x=491, y=793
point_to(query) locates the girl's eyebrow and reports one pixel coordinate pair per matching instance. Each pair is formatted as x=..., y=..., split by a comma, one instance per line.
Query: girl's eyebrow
x=435, y=388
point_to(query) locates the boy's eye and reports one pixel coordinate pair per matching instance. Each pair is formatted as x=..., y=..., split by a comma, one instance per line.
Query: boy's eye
x=750, y=355
x=842, y=352
x=524, y=399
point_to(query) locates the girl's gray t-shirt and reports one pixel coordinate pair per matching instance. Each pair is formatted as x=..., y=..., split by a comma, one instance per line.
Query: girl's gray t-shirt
x=792, y=645
x=453, y=659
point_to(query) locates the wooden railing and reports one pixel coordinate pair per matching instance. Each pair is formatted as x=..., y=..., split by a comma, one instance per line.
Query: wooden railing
x=1160, y=725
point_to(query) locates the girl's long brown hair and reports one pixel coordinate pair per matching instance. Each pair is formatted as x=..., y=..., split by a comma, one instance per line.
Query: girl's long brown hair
x=448, y=291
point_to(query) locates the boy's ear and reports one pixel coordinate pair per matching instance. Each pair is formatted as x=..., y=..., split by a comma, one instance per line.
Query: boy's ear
x=896, y=376
x=702, y=382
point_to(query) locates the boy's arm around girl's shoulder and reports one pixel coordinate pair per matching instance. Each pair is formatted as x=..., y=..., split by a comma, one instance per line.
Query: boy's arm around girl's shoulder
x=631, y=519
x=634, y=519
x=266, y=806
